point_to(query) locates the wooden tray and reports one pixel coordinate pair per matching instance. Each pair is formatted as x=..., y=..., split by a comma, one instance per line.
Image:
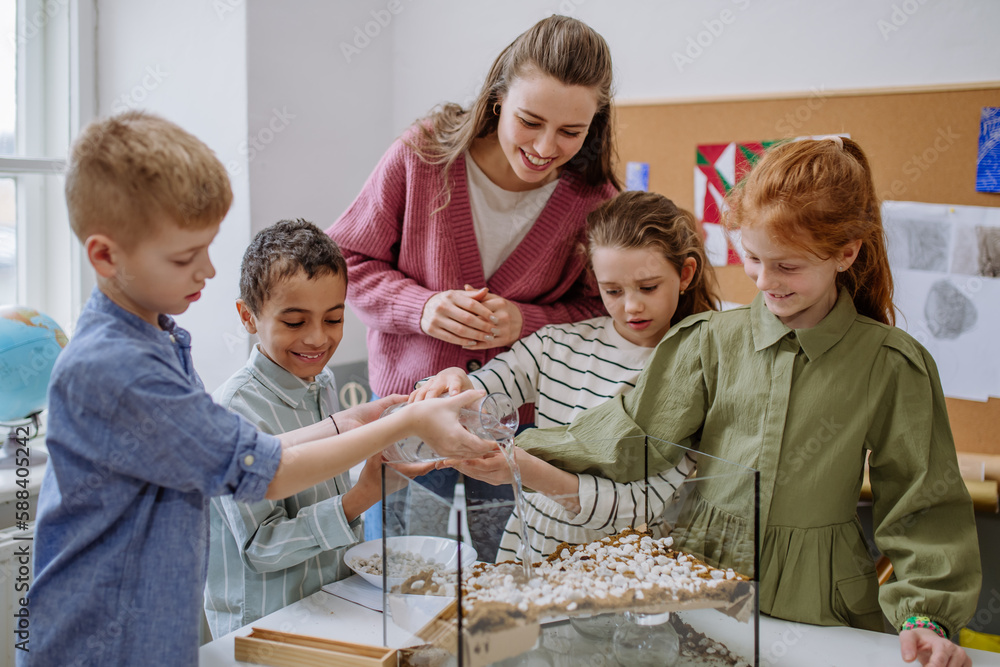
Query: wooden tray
x=482, y=649
x=283, y=649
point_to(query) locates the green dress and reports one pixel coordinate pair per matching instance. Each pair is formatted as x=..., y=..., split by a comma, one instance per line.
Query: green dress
x=802, y=407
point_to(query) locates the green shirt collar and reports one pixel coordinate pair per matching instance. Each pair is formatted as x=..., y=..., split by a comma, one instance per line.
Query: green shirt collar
x=767, y=329
x=292, y=390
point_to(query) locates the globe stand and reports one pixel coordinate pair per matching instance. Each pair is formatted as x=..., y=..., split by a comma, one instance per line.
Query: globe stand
x=9, y=455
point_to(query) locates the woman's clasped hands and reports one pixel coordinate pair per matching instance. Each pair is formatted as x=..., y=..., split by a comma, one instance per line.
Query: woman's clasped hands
x=473, y=318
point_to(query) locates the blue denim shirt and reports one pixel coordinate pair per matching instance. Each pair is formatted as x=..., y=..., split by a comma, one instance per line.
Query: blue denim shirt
x=136, y=448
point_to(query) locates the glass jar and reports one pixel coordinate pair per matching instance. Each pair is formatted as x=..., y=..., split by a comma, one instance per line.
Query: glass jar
x=492, y=417
x=599, y=626
x=646, y=640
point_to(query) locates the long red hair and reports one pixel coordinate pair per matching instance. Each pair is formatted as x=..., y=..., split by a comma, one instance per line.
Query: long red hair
x=819, y=197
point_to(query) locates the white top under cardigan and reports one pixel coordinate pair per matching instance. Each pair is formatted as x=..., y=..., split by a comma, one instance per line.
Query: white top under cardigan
x=501, y=218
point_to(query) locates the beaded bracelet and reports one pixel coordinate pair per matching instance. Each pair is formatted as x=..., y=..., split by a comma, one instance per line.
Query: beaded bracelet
x=914, y=622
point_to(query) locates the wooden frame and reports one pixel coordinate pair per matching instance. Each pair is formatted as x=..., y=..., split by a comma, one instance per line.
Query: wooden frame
x=283, y=649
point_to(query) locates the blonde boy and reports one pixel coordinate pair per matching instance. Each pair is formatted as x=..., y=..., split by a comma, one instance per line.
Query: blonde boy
x=136, y=446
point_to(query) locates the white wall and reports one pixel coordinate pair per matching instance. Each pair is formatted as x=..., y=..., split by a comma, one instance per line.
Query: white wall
x=186, y=60
x=443, y=49
x=330, y=106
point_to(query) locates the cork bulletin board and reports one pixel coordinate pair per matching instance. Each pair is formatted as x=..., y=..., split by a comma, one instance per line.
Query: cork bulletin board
x=922, y=144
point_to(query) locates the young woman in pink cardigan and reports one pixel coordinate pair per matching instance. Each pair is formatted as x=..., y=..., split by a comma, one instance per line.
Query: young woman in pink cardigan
x=465, y=237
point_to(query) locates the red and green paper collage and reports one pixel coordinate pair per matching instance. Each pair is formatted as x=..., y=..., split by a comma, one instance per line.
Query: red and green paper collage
x=718, y=167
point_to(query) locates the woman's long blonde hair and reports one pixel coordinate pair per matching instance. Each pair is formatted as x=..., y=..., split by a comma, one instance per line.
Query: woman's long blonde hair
x=564, y=48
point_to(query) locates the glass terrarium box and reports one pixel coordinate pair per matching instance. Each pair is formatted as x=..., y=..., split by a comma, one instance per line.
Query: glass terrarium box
x=660, y=570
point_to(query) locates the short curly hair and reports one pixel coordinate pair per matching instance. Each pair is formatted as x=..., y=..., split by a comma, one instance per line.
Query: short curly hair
x=281, y=251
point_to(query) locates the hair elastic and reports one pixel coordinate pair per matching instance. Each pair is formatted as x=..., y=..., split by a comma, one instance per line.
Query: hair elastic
x=834, y=138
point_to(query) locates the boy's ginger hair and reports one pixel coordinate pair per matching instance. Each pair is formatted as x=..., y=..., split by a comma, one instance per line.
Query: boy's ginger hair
x=129, y=171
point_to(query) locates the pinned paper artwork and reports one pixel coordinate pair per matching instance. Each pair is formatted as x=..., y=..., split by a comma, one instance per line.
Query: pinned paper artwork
x=719, y=167
x=945, y=263
x=988, y=245
x=962, y=240
x=922, y=244
x=637, y=176
x=949, y=312
x=988, y=163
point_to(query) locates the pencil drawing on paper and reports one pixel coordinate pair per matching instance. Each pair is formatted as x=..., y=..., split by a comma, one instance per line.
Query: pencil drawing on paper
x=948, y=312
x=965, y=250
x=989, y=251
x=927, y=242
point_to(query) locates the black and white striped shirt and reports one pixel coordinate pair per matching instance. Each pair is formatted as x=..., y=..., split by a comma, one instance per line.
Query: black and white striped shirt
x=565, y=369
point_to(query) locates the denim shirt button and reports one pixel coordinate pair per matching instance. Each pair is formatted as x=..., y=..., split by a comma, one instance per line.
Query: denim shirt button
x=248, y=459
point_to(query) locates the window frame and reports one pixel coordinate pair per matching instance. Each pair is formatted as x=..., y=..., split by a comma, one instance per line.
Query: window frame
x=51, y=273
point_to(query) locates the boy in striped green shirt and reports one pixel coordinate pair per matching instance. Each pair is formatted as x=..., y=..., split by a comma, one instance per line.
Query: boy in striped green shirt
x=268, y=554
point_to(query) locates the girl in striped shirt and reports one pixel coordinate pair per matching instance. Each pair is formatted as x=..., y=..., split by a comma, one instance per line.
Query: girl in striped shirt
x=648, y=261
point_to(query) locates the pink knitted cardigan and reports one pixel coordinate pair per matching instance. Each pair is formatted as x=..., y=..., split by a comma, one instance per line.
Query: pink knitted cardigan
x=400, y=253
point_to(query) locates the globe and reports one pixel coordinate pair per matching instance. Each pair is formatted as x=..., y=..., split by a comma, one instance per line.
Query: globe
x=29, y=344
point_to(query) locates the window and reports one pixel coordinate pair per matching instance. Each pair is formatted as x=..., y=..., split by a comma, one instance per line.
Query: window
x=8, y=240
x=39, y=261
x=8, y=186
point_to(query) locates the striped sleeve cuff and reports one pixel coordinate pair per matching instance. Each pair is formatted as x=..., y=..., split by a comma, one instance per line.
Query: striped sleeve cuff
x=328, y=524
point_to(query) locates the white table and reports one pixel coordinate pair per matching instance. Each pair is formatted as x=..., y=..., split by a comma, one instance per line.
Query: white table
x=782, y=644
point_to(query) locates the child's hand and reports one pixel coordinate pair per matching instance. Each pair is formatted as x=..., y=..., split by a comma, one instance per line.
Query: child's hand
x=448, y=382
x=436, y=423
x=931, y=650
x=459, y=317
x=508, y=322
x=370, y=480
x=492, y=469
x=365, y=413
x=408, y=470
x=368, y=490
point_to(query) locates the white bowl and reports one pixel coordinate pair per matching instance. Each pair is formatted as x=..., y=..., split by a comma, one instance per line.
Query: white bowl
x=441, y=550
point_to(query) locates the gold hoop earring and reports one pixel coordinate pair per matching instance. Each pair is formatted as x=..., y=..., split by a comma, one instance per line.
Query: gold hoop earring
x=495, y=111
